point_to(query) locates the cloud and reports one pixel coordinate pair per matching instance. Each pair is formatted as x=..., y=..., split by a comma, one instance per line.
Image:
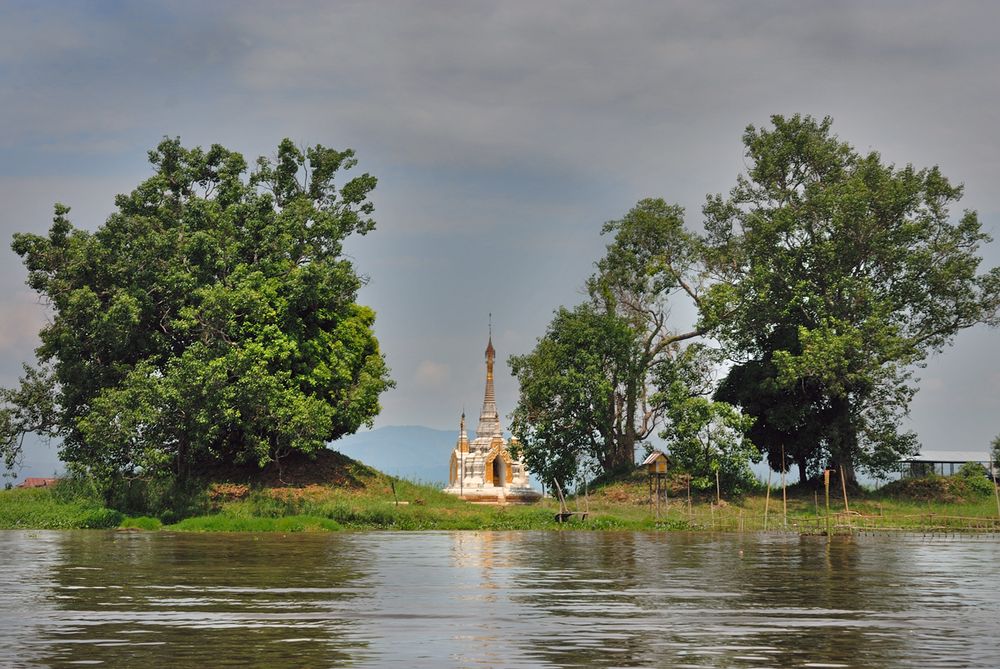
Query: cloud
x=502, y=134
x=20, y=322
x=431, y=374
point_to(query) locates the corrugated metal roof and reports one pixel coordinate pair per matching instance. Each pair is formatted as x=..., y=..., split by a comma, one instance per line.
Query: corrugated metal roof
x=927, y=455
x=652, y=457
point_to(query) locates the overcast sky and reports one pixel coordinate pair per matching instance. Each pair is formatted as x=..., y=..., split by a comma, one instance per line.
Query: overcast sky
x=503, y=136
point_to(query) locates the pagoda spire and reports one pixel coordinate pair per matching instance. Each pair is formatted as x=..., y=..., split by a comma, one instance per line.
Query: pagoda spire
x=489, y=419
x=463, y=438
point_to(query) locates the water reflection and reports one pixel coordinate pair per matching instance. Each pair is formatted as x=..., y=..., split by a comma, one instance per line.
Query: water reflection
x=556, y=599
x=134, y=599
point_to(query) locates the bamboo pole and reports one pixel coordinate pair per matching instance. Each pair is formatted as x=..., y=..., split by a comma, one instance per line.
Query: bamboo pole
x=690, y=510
x=718, y=490
x=784, y=490
x=562, y=500
x=826, y=485
x=657, y=499
x=843, y=486
x=649, y=479
x=996, y=493
x=767, y=497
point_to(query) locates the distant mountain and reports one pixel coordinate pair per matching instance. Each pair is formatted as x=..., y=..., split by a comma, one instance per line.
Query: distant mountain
x=407, y=451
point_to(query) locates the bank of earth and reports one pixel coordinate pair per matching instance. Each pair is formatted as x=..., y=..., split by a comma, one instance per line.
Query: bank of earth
x=333, y=492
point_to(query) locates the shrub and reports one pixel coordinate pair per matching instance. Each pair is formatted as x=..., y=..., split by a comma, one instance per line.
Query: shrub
x=976, y=479
x=101, y=519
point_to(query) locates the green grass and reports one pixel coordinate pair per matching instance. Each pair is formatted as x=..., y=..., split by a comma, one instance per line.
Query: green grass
x=223, y=523
x=40, y=509
x=622, y=505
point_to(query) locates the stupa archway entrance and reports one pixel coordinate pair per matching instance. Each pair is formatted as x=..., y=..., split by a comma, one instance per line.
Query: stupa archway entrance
x=499, y=472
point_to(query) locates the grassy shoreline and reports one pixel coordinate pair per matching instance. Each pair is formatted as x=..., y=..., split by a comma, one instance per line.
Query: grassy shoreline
x=386, y=504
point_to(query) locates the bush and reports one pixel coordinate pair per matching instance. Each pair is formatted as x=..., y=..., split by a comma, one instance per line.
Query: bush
x=946, y=489
x=101, y=519
x=223, y=523
x=76, y=488
x=40, y=509
x=976, y=478
x=166, y=497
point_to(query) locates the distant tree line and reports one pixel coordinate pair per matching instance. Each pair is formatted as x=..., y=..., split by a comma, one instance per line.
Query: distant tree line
x=823, y=280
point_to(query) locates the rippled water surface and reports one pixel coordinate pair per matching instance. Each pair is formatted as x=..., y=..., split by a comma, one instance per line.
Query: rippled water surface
x=496, y=599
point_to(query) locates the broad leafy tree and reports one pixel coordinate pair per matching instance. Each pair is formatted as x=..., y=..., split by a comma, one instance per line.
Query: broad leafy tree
x=212, y=318
x=572, y=385
x=606, y=375
x=844, y=273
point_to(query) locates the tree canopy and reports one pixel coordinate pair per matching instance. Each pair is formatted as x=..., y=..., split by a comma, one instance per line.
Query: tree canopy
x=844, y=274
x=611, y=372
x=211, y=318
x=827, y=276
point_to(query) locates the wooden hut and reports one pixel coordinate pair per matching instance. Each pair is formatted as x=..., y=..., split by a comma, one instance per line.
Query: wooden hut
x=656, y=469
x=656, y=463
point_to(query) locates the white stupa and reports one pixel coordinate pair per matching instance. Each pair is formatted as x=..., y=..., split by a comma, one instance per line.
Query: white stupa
x=484, y=470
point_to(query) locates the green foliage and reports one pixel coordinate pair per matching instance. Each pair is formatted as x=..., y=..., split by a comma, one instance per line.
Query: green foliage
x=566, y=411
x=168, y=497
x=945, y=489
x=843, y=274
x=971, y=470
x=29, y=408
x=593, y=389
x=789, y=421
x=976, y=478
x=252, y=524
x=706, y=437
x=995, y=454
x=212, y=318
x=44, y=509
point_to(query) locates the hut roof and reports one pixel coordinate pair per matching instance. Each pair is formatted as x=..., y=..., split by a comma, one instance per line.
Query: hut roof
x=654, y=456
x=949, y=456
x=34, y=482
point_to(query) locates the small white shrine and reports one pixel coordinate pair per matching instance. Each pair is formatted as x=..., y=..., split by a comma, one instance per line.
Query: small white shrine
x=483, y=470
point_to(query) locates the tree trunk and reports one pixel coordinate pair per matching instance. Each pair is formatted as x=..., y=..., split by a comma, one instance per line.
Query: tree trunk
x=802, y=470
x=844, y=445
x=626, y=445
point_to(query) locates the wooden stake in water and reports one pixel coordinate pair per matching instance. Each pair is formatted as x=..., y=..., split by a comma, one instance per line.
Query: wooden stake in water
x=767, y=497
x=718, y=491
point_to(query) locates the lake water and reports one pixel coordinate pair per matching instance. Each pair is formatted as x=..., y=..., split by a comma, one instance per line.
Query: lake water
x=497, y=599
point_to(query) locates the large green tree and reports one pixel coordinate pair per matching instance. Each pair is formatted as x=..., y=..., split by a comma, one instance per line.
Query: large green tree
x=843, y=273
x=572, y=384
x=604, y=377
x=212, y=318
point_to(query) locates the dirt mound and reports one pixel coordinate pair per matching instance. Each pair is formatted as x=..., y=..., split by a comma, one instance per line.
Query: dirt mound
x=326, y=467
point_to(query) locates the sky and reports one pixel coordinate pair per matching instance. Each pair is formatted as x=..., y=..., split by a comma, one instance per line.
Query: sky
x=503, y=136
